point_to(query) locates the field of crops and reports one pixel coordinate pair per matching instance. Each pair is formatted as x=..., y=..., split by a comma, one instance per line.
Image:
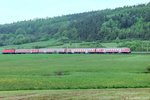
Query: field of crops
x=35, y=72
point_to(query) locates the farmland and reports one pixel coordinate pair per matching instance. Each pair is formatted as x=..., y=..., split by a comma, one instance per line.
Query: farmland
x=88, y=94
x=43, y=72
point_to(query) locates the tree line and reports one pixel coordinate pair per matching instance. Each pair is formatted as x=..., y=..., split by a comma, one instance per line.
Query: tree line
x=130, y=22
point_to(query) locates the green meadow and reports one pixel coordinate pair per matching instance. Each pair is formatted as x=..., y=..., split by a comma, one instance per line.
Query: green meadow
x=74, y=71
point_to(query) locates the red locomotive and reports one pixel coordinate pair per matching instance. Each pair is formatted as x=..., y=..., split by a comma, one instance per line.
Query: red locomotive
x=67, y=51
x=8, y=51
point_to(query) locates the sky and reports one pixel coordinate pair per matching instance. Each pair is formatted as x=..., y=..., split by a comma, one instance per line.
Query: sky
x=19, y=10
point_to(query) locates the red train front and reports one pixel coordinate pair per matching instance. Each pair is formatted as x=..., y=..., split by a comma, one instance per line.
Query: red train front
x=8, y=51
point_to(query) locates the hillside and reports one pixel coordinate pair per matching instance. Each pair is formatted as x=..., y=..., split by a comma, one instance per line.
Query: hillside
x=105, y=25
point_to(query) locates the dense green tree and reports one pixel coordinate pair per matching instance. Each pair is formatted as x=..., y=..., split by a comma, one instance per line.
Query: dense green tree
x=20, y=39
x=20, y=31
x=131, y=22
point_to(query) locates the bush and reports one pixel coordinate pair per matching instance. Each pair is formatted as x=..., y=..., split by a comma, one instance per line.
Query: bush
x=148, y=69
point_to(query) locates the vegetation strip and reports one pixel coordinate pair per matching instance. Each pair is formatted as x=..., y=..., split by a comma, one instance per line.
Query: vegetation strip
x=88, y=94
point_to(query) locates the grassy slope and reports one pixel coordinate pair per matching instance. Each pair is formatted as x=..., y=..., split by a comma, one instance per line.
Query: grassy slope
x=102, y=94
x=57, y=44
x=49, y=43
x=19, y=72
x=136, y=45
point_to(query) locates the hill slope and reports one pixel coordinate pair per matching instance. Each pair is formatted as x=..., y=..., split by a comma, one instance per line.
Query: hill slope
x=120, y=23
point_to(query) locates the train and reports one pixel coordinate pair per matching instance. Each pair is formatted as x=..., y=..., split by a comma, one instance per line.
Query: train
x=67, y=51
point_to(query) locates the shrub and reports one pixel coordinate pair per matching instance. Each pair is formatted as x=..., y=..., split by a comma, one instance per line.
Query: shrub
x=148, y=69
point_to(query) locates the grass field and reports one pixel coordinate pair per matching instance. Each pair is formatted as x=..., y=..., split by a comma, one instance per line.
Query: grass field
x=43, y=72
x=58, y=44
x=90, y=94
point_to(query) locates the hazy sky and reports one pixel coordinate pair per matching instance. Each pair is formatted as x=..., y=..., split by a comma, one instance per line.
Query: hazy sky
x=17, y=10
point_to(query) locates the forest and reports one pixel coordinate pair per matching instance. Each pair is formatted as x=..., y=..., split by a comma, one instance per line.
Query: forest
x=124, y=23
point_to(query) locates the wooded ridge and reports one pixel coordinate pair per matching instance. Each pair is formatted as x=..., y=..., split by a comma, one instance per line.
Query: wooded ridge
x=131, y=22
